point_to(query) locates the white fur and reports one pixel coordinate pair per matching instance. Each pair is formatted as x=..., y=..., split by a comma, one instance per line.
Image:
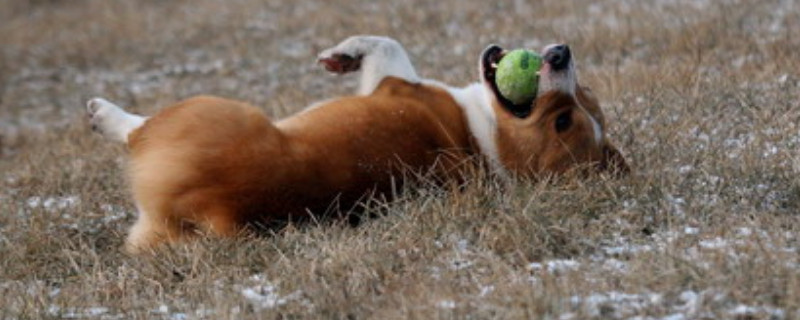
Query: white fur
x=476, y=102
x=482, y=121
x=596, y=128
x=139, y=234
x=598, y=131
x=566, y=81
x=381, y=57
x=111, y=120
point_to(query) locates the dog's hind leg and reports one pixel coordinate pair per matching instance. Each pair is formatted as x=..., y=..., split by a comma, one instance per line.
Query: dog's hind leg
x=376, y=57
x=112, y=121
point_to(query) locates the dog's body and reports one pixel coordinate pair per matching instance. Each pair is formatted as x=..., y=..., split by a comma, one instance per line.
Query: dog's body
x=217, y=165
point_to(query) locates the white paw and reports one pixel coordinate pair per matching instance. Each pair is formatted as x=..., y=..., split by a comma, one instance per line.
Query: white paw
x=100, y=111
x=94, y=105
x=376, y=57
x=345, y=57
x=110, y=120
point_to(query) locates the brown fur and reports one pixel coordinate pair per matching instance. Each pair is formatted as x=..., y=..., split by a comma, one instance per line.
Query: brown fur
x=218, y=165
x=531, y=145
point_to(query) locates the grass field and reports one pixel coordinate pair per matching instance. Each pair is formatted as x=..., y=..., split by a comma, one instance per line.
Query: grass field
x=701, y=96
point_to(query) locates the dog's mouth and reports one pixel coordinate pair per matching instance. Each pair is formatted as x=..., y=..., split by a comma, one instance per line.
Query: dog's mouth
x=489, y=59
x=556, y=74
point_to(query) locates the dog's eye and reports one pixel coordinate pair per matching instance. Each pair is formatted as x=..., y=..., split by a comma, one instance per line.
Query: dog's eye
x=564, y=121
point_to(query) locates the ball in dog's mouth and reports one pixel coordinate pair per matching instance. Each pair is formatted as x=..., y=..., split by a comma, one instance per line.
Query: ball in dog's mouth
x=489, y=61
x=517, y=75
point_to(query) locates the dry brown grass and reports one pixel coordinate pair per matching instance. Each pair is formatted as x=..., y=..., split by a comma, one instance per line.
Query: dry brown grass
x=702, y=96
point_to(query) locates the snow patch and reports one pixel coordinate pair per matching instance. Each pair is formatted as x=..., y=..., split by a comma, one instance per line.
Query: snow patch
x=446, y=304
x=83, y=313
x=555, y=266
x=266, y=295
x=53, y=204
x=748, y=312
x=615, y=304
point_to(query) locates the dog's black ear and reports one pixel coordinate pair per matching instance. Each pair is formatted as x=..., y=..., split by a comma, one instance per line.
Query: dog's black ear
x=492, y=53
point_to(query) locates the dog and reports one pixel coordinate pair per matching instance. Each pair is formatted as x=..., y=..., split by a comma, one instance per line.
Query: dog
x=216, y=165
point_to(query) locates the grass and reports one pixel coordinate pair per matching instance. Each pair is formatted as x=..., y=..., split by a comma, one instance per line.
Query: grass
x=701, y=96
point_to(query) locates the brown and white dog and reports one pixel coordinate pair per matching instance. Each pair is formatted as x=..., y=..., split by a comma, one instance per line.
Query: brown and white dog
x=217, y=165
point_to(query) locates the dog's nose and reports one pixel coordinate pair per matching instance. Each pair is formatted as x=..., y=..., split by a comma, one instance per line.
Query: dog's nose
x=558, y=57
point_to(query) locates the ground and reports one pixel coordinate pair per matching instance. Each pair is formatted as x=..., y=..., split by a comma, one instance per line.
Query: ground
x=701, y=97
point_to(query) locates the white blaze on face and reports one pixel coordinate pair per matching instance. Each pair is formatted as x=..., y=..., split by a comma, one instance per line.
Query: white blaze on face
x=565, y=80
x=598, y=131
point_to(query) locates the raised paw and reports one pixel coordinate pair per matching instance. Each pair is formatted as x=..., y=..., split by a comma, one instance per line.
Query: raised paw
x=340, y=62
x=110, y=120
x=100, y=113
x=374, y=56
x=347, y=55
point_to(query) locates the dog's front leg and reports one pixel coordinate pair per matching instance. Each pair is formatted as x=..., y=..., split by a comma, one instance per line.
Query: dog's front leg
x=376, y=57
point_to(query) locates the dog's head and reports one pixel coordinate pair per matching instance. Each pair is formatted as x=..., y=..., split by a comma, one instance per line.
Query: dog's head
x=560, y=129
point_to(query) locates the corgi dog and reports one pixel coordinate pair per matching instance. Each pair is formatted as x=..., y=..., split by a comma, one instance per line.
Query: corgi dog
x=217, y=165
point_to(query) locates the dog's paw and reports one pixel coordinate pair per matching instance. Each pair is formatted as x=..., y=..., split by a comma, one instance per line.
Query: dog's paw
x=109, y=120
x=347, y=55
x=340, y=63
x=99, y=111
x=343, y=58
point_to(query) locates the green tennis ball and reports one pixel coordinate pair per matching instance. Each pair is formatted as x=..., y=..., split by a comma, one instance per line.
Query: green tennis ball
x=517, y=75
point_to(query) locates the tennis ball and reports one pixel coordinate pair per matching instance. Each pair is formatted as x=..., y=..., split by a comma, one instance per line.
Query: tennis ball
x=517, y=75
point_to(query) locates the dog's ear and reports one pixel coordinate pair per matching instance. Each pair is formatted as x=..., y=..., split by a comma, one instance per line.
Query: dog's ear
x=613, y=161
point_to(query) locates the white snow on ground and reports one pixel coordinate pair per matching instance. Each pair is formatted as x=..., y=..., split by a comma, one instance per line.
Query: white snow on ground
x=164, y=311
x=687, y=242
x=619, y=305
x=446, y=304
x=714, y=243
x=485, y=290
x=53, y=204
x=84, y=313
x=113, y=213
x=690, y=244
x=459, y=252
x=555, y=266
x=65, y=207
x=749, y=312
x=257, y=292
x=611, y=258
x=615, y=266
x=460, y=264
x=614, y=304
x=265, y=295
x=691, y=230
